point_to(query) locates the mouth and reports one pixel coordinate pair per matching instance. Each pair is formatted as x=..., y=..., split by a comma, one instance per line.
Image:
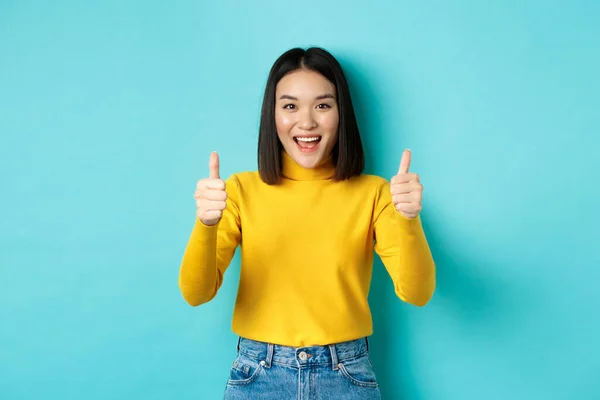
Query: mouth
x=307, y=144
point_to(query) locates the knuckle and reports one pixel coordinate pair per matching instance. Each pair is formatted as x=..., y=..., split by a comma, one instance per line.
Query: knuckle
x=213, y=195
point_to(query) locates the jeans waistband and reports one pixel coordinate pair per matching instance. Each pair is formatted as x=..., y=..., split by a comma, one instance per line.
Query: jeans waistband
x=309, y=355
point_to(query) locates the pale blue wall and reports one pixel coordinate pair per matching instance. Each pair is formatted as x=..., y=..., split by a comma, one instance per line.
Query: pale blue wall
x=108, y=113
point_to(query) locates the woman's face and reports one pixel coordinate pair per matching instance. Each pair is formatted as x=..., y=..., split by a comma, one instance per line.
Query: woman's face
x=306, y=116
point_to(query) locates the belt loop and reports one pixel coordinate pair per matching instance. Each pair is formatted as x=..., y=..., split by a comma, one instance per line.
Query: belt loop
x=334, y=357
x=269, y=359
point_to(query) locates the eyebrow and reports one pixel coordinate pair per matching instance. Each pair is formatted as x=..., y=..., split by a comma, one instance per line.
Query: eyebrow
x=321, y=97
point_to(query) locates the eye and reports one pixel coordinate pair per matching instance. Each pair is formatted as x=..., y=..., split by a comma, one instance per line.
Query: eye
x=323, y=106
x=289, y=106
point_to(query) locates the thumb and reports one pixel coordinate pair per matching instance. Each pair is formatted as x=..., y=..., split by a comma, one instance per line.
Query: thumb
x=213, y=165
x=405, y=162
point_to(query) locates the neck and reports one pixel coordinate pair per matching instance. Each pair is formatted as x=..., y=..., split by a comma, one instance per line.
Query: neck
x=292, y=170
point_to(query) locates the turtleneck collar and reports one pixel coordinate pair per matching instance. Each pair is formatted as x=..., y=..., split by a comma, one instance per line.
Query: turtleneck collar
x=291, y=170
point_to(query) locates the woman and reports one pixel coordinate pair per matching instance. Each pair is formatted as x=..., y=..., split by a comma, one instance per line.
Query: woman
x=308, y=222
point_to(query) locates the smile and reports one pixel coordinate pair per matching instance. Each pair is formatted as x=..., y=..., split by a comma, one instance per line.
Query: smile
x=307, y=144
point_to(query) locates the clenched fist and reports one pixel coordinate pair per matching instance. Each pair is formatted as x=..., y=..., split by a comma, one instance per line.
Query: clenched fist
x=210, y=194
x=407, y=191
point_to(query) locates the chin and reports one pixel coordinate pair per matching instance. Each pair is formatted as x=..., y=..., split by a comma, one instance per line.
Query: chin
x=310, y=160
x=308, y=157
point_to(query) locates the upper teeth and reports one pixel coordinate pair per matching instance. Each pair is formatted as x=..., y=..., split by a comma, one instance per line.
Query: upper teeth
x=308, y=139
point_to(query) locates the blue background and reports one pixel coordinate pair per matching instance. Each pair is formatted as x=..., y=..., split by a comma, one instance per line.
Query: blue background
x=109, y=111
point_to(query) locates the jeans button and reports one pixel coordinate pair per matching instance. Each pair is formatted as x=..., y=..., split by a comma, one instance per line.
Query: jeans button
x=302, y=356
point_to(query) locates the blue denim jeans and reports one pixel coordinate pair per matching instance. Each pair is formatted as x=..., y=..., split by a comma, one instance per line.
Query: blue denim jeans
x=263, y=371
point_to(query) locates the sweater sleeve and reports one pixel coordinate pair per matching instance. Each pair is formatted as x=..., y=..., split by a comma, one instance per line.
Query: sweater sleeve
x=209, y=251
x=402, y=246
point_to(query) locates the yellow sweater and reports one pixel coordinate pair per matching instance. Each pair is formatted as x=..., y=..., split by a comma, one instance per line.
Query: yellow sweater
x=307, y=248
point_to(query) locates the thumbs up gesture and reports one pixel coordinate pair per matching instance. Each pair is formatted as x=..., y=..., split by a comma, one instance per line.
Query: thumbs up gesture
x=407, y=191
x=210, y=194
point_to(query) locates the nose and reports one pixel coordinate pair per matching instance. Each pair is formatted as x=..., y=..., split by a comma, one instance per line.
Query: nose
x=307, y=121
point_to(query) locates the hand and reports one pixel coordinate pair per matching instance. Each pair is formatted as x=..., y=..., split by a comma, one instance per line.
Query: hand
x=407, y=191
x=210, y=194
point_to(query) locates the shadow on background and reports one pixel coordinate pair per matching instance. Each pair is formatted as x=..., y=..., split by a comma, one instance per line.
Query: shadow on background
x=388, y=344
x=467, y=289
x=464, y=291
x=465, y=297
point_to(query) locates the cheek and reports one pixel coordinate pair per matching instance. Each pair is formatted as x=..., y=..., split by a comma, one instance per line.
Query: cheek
x=329, y=121
x=283, y=123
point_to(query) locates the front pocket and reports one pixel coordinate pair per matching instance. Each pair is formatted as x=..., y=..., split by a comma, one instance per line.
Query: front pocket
x=359, y=372
x=244, y=371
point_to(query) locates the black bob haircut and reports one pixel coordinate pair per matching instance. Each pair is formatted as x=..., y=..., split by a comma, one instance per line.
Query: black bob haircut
x=347, y=154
